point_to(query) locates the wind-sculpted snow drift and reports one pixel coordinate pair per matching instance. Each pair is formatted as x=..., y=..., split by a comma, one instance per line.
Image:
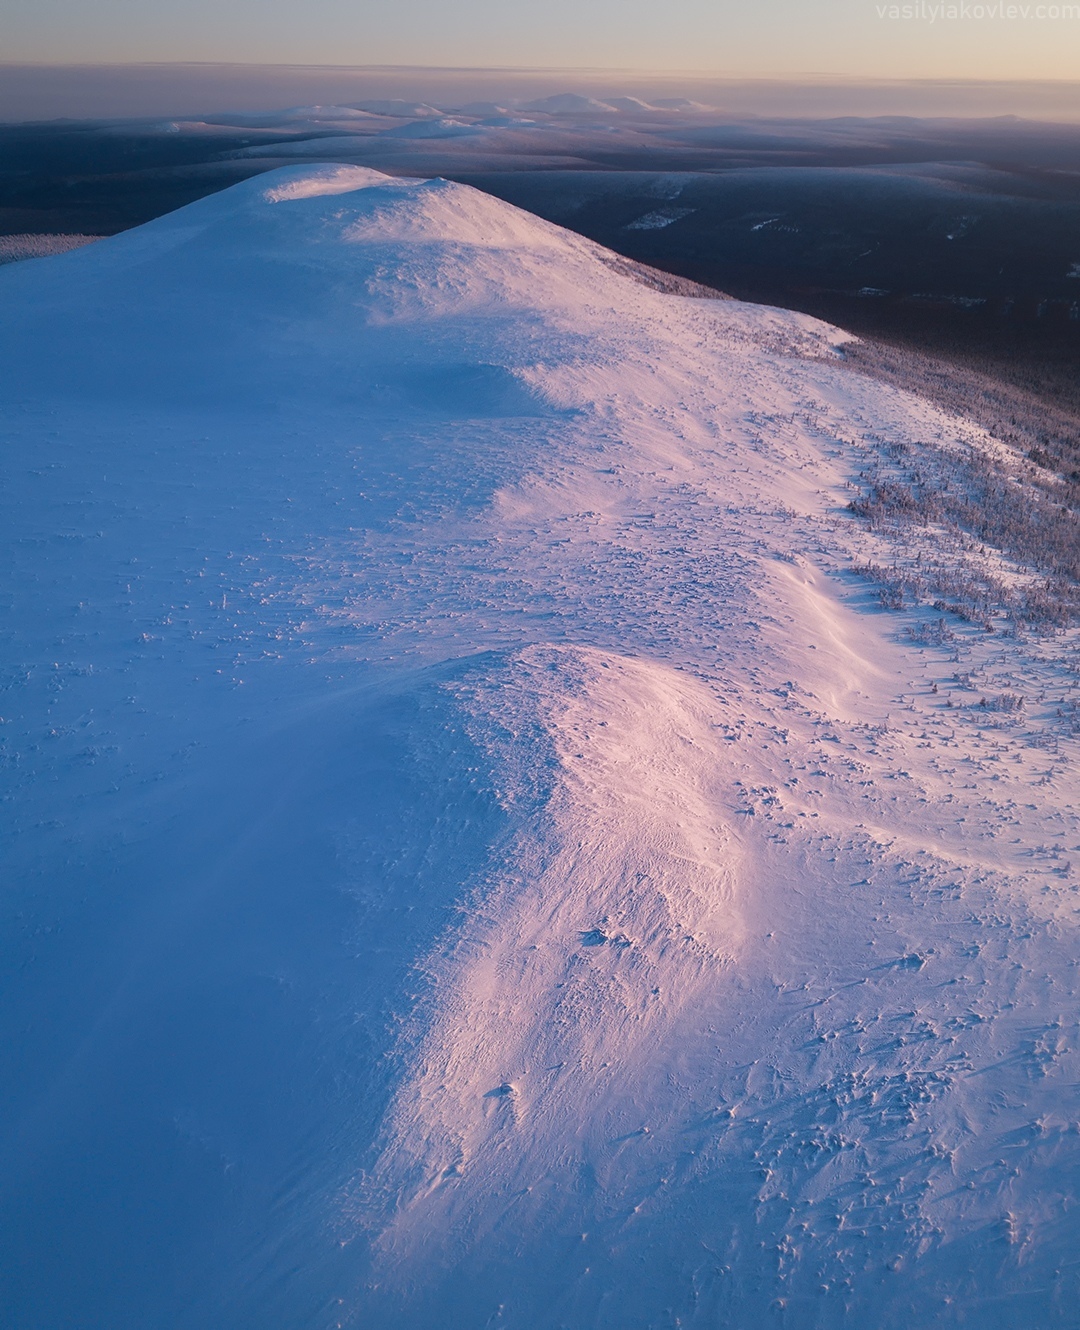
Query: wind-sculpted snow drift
x=476, y=855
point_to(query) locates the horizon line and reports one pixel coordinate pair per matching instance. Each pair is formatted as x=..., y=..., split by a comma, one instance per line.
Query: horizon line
x=589, y=70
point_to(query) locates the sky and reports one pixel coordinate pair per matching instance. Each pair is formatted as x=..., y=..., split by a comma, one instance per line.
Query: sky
x=854, y=38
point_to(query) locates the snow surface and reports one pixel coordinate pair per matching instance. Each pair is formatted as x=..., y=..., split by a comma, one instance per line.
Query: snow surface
x=16, y=247
x=656, y=221
x=395, y=106
x=443, y=127
x=569, y=103
x=475, y=855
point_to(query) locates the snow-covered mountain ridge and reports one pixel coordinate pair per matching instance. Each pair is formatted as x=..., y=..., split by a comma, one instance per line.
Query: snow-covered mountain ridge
x=477, y=855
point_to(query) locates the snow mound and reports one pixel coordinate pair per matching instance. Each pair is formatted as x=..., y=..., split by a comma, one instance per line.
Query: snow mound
x=321, y=281
x=613, y=909
x=485, y=109
x=335, y=145
x=568, y=103
x=680, y=104
x=630, y=104
x=328, y=180
x=317, y=113
x=477, y=850
x=442, y=128
x=398, y=107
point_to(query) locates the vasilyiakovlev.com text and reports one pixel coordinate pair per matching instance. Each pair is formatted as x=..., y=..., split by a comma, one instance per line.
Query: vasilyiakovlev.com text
x=929, y=13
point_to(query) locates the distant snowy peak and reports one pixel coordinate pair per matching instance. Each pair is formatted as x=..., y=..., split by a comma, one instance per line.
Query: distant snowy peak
x=483, y=109
x=375, y=125
x=629, y=104
x=441, y=128
x=327, y=113
x=568, y=103
x=396, y=107
x=572, y=103
x=680, y=104
x=293, y=118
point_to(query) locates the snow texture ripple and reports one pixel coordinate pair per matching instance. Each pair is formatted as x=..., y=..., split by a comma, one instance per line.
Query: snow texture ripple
x=475, y=854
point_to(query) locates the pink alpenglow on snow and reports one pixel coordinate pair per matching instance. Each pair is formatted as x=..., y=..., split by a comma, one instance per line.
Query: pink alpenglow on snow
x=476, y=853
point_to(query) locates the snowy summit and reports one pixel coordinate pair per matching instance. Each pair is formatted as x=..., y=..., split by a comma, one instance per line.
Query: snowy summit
x=477, y=852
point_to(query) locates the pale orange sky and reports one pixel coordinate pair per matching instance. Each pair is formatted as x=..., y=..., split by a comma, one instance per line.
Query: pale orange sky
x=859, y=38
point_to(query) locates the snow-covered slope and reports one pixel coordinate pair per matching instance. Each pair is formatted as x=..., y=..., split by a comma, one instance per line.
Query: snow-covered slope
x=474, y=855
